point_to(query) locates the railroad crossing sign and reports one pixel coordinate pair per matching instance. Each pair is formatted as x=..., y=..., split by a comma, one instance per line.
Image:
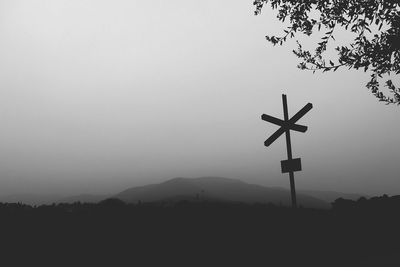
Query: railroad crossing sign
x=290, y=165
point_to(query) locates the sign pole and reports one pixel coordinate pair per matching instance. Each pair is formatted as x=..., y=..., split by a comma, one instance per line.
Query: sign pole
x=289, y=151
x=290, y=165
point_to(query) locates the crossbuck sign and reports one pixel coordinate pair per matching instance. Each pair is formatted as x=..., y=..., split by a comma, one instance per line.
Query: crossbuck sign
x=290, y=165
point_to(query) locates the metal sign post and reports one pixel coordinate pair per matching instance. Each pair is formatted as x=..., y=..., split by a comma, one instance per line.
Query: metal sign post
x=290, y=165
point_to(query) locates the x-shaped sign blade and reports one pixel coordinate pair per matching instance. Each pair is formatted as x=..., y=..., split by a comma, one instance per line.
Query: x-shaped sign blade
x=287, y=125
x=279, y=122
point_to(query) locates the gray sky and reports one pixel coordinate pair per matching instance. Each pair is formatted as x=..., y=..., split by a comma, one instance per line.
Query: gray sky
x=97, y=96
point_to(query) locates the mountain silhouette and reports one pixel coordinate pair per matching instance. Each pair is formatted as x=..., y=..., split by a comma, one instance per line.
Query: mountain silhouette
x=215, y=188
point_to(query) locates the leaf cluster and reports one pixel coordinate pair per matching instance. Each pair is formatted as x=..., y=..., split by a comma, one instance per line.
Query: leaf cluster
x=374, y=23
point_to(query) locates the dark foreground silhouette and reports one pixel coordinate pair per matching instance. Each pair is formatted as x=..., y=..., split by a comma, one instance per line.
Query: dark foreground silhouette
x=200, y=233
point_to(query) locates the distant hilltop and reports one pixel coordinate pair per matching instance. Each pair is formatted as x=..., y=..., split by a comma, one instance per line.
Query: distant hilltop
x=215, y=189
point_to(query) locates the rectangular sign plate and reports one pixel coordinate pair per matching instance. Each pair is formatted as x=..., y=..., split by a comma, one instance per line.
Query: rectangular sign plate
x=293, y=165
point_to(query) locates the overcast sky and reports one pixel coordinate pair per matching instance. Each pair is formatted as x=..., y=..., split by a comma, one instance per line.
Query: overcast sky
x=97, y=96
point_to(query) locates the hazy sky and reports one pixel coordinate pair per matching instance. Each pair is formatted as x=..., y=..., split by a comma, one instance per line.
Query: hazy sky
x=97, y=96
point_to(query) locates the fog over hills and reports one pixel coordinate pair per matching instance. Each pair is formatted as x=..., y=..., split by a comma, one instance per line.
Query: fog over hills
x=45, y=199
x=330, y=196
x=31, y=199
x=193, y=189
x=223, y=189
x=84, y=198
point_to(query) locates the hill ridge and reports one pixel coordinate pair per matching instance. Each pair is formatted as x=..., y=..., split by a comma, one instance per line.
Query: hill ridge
x=222, y=188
